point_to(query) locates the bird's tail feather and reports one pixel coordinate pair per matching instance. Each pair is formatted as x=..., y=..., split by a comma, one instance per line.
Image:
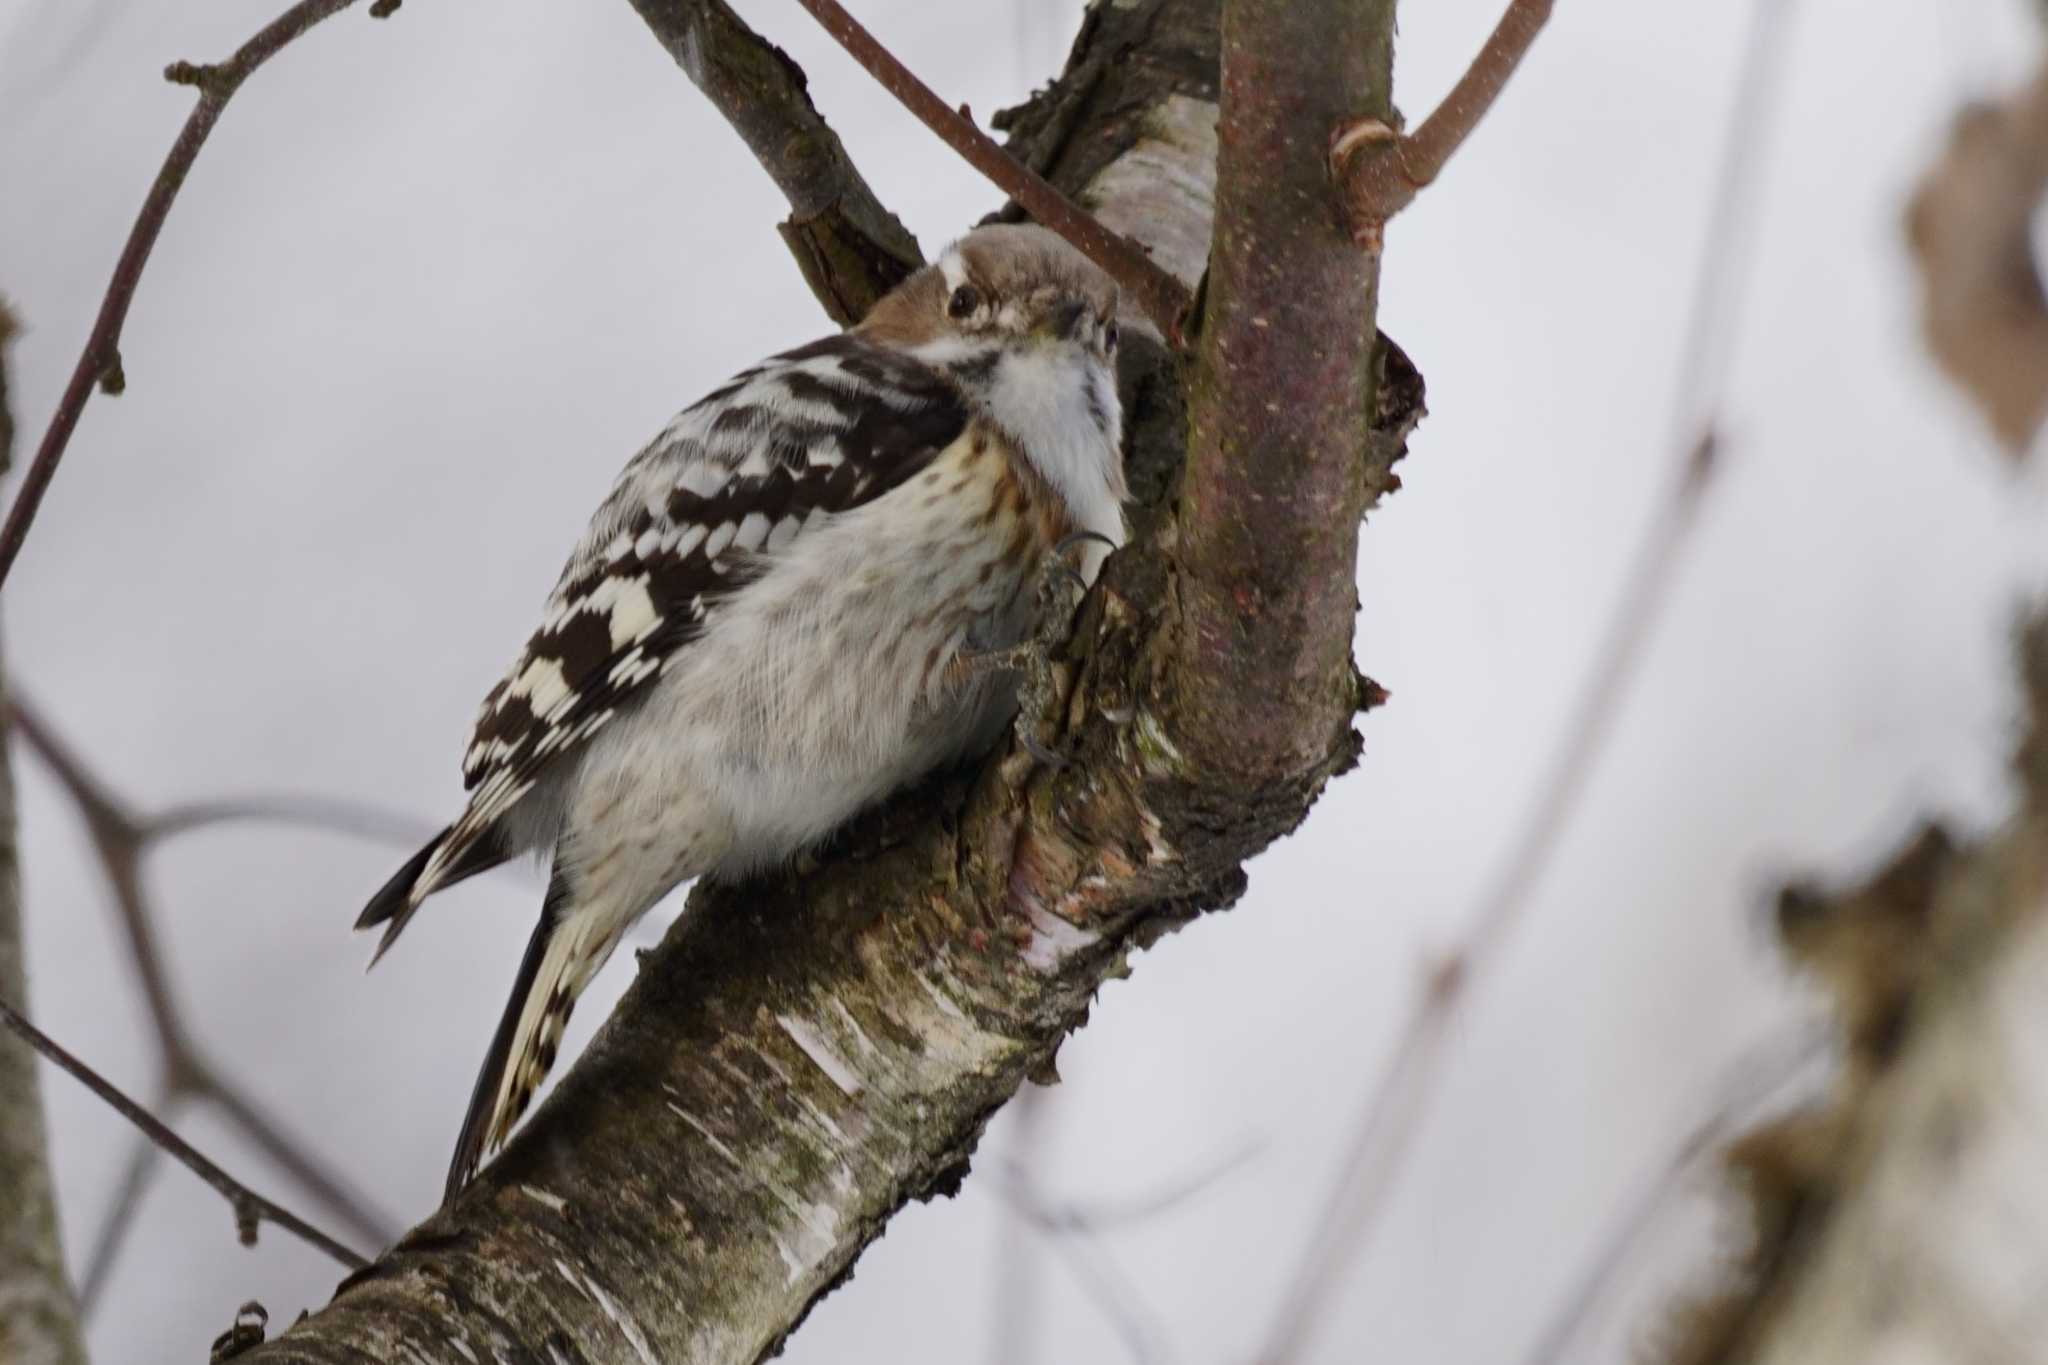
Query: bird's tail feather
x=564, y=953
x=399, y=899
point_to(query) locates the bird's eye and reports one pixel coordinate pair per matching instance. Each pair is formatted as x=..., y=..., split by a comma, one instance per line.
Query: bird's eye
x=1109, y=336
x=965, y=300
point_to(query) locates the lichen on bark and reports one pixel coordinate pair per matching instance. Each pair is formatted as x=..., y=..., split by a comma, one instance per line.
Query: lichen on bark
x=805, y=1053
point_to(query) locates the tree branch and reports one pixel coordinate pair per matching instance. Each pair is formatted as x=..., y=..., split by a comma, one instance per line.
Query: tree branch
x=1275, y=489
x=38, y=1311
x=122, y=839
x=100, y=363
x=850, y=248
x=1394, y=1106
x=805, y=1053
x=1159, y=296
x=1380, y=170
x=250, y=1208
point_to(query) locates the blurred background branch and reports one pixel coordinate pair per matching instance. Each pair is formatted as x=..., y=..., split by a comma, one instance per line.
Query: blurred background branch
x=1905, y=1215
x=250, y=1209
x=187, y=1076
x=1970, y=225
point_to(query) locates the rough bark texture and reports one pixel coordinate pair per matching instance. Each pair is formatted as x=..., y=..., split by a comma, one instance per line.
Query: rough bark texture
x=1275, y=486
x=850, y=249
x=804, y=1054
x=38, y=1315
x=1904, y=1220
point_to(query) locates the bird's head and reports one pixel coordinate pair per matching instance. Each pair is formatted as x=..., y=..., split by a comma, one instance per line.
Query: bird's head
x=1027, y=327
x=1001, y=288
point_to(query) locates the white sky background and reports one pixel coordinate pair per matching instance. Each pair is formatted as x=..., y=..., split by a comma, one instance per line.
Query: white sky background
x=436, y=278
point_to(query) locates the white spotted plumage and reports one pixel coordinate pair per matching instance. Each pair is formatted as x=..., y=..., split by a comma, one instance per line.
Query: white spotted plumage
x=762, y=630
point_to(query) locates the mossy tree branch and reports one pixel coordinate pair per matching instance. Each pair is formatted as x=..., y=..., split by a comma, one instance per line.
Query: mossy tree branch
x=804, y=1054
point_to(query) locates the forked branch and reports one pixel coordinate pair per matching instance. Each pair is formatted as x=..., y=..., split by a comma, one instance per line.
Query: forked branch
x=1379, y=170
x=250, y=1208
x=1159, y=296
x=122, y=838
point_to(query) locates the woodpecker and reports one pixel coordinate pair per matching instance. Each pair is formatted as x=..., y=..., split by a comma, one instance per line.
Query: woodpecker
x=775, y=617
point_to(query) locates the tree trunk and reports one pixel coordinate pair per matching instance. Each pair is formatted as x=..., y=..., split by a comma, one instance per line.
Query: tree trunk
x=1905, y=1218
x=38, y=1315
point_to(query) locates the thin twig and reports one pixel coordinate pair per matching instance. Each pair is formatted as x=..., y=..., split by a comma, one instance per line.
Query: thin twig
x=1380, y=170
x=1101, y=1215
x=334, y=816
x=1393, y=1109
x=122, y=838
x=1074, y=1229
x=1094, y=1269
x=250, y=1208
x=1756, y=1076
x=124, y=1207
x=1160, y=296
x=100, y=362
x=1019, y=1272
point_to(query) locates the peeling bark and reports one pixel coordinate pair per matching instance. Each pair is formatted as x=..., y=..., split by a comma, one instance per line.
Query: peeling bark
x=38, y=1314
x=805, y=1053
x=1905, y=1218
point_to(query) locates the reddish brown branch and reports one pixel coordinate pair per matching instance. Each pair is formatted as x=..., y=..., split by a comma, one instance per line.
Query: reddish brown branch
x=1393, y=1109
x=100, y=362
x=1160, y=296
x=250, y=1208
x=1379, y=170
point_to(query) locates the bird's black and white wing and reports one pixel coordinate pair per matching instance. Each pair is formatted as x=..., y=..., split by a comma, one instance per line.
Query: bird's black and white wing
x=734, y=479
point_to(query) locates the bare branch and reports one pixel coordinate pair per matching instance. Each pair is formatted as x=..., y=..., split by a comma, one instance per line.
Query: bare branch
x=354, y=818
x=249, y=1207
x=1970, y=225
x=1097, y=1215
x=1098, y=1276
x=1393, y=1109
x=124, y=1208
x=1379, y=170
x=1750, y=1083
x=100, y=362
x=1159, y=296
x=121, y=839
x=850, y=248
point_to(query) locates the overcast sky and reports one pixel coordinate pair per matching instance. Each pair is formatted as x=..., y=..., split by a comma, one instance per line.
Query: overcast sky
x=436, y=278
